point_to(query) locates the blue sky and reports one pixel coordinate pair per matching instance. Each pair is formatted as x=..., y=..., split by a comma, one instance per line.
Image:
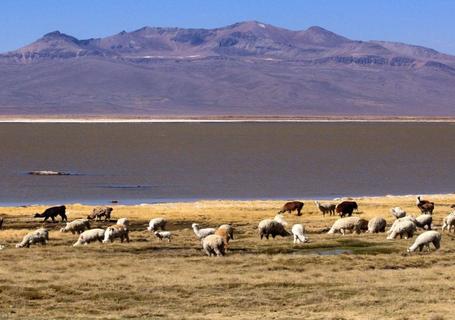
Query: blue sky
x=423, y=22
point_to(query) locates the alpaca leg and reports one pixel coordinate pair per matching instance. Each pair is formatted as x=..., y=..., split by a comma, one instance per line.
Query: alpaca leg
x=436, y=244
x=218, y=252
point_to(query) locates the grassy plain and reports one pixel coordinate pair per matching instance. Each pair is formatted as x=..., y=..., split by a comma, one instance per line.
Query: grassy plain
x=372, y=278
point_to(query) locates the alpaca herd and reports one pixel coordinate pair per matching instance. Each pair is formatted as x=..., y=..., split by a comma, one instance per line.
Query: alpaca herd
x=214, y=241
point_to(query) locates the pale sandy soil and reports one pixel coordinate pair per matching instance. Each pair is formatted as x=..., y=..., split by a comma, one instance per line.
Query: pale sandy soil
x=223, y=119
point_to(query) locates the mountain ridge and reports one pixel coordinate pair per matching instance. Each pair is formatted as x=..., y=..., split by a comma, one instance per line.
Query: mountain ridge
x=243, y=69
x=209, y=42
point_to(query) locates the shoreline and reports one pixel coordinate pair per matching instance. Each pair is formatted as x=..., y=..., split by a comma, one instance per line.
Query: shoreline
x=143, y=203
x=222, y=119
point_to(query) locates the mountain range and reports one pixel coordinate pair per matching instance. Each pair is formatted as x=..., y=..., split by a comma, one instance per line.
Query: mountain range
x=245, y=69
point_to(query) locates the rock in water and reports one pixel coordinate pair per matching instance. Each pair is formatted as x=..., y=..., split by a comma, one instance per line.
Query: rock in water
x=49, y=173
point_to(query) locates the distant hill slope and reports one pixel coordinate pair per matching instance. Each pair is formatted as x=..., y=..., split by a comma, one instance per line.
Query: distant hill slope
x=248, y=68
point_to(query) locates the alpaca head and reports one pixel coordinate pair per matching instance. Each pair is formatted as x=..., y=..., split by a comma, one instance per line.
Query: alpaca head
x=418, y=200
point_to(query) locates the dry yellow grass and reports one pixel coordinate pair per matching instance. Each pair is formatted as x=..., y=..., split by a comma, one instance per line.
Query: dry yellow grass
x=274, y=279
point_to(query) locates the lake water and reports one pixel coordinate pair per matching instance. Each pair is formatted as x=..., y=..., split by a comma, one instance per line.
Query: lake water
x=154, y=162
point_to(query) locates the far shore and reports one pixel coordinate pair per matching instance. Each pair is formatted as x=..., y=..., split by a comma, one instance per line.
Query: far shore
x=212, y=119
x=389, y=198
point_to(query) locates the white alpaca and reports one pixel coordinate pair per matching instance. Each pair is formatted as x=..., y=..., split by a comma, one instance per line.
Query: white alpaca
x=425, y=239
x=157, y=223
x=214, y=245
x=163, y=235
x=298, y=233
x=77, y=226
x=449, y=222
x=116, y=231
x=353, y=224
x=403, y=227
x=123, y=221
x=202, y=233
x=38, y=236
x=377, y=224
x=280, y=218
x=424, y=220
x=397, y=212
x=89, y=236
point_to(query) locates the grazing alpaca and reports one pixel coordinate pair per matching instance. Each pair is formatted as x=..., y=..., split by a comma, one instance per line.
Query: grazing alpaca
x=226, y=231
x=201, y=233
x=269, y=227
x=424, y=220
x=403, y=227
x=52, y=212
x=298, y=233
x=292, y=206
x=425, y=206
x=214, y=245
x=397, y=212
x=38, y=236
x=449, y=222
x=425, y=239
x=116, y=231
x=90, y=236
x=100, y=212
x=279, y=218
x=123, y=221
x=163, y=235
x=377, y=224
x=346, y=208
x=353, y=224
x=157, y=223
x=326, y=208
x=77, y=226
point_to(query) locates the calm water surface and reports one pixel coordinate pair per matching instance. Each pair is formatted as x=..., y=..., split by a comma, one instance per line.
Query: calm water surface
x=151, y=162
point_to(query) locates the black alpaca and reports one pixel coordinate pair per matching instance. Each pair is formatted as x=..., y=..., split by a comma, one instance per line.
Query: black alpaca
x=52, y=212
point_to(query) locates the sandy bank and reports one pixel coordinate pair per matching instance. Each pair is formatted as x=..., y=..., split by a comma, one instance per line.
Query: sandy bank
x=217, y=119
